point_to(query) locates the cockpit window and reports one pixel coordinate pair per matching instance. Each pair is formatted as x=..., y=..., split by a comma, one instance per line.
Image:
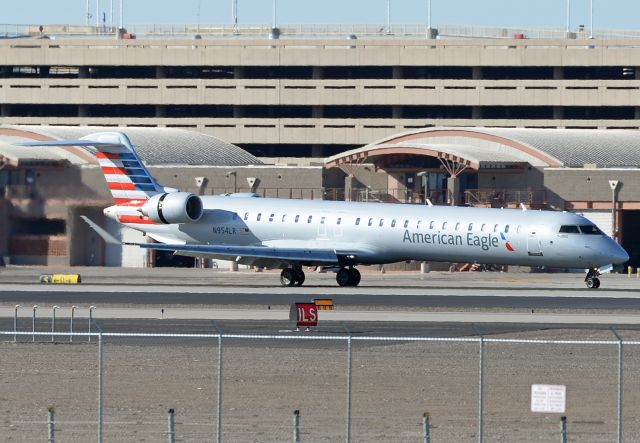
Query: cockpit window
x=590, y=230
x=569, y=229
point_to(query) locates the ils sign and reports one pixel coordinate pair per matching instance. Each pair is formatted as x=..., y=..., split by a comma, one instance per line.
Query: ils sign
x=304, y=314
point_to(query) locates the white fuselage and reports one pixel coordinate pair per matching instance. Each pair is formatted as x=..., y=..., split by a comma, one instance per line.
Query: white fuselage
x=384, y=233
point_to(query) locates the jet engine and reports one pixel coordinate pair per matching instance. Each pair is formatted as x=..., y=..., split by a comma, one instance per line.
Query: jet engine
x=174, y=207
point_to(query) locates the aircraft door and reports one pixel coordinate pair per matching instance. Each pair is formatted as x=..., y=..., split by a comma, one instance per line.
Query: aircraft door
x=322, y=227
x=337, y=227
x=534, y=242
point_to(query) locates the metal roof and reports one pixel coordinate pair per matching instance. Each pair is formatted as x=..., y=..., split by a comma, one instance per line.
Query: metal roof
x=608, y=148
x=156, y=146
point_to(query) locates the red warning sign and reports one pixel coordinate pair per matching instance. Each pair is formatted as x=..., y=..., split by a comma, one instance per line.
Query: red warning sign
x=305, y=314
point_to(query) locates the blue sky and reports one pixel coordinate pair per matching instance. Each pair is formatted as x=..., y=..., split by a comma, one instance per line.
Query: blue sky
x=622, y=14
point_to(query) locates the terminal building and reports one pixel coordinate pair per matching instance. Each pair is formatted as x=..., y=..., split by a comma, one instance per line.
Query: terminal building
x=547, y=123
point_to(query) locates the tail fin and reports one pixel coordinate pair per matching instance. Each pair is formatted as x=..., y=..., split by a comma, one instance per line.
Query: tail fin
x=130, y=182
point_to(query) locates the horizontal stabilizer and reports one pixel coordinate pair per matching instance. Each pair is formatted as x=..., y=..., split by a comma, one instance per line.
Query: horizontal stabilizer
x=108, y=238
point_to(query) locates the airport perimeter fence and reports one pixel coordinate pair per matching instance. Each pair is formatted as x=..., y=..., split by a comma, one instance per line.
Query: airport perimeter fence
x=108, y=386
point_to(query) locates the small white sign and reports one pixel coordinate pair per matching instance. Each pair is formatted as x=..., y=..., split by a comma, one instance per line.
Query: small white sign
x=548, y=398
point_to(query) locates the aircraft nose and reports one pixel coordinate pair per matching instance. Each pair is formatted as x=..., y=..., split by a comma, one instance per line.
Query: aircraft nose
x=618, y=254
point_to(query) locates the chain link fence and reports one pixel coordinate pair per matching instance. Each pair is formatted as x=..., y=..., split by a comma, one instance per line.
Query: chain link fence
x=347, y=386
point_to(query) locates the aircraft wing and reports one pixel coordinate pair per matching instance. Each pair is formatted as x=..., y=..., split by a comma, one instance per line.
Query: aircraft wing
x=232, y=252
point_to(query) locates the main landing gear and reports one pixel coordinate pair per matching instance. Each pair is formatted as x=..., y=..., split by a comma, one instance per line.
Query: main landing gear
x=592, y=280
x=348, y=276
x=292, y=276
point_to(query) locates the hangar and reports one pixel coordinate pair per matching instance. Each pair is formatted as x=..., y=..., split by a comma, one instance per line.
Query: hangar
x=560, y=169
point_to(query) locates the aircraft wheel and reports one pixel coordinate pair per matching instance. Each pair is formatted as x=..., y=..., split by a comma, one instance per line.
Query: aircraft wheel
x=593, y=283
x=299, y=276
x=287, y=277
x=343, y=277
x=355, y=277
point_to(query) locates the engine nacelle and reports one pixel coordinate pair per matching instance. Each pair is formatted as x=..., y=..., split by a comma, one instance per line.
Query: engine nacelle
x=175, y=207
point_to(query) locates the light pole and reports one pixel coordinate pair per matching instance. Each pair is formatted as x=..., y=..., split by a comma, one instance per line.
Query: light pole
x=73, y=310
x=33, y=323
x=590, y=19
x=274, y=11
x=428, y=14
x=614, y=186
x=568, y=15
x=91, y=308
x=53, y=322
x=15, y=323
x=388, y=16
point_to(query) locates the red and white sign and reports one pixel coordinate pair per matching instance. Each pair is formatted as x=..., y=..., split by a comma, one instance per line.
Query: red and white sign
x=548, y=398
x=306, y=314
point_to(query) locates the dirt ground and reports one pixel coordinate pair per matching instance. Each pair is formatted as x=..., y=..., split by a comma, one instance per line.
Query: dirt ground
x=264, y=381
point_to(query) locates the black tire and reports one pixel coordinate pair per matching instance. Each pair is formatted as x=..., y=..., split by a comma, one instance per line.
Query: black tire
x=287, y=277
x=591, y=283
x=355, y=277
x=299, y=273
x=343, y=277
x=597, y=282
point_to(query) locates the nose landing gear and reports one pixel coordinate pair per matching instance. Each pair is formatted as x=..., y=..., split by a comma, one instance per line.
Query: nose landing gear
x=592, y=280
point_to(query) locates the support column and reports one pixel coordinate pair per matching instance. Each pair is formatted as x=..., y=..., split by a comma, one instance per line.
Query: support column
x=476, y=112
x=316, y=73
x=453, y=190
x=348, y=187
x=317, y=111
x=161, y=111
x=476, y=73
x=397, y=73
x=83, y=72
x=396, y=112
x=558, y=73
x=160, y=72
x=317, y=150
x=5, y=110
x=238, y=72
x=83, y=110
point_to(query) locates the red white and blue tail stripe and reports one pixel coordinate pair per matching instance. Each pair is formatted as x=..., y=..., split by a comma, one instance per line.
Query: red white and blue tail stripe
x=129, y=181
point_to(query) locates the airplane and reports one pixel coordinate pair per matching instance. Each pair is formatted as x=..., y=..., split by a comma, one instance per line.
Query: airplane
x=290, y=234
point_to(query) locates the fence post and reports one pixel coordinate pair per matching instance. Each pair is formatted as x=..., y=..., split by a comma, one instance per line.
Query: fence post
x=348, y=436
x=172, y=426
x=620, y=374
x=426, y=431
x=296, y=426
x=15, y=323
x=91, y=308
x=563, y=429
x=480, y=387
x=51, y=438
x=100, y=386
x=33, y=323
x=219, y=390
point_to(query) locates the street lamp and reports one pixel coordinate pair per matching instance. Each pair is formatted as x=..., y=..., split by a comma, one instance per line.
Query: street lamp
x=53, y=321
x=15, y=323
x=33, y=323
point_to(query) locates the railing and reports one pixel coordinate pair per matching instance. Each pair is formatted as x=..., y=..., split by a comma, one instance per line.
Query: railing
x=505, y=197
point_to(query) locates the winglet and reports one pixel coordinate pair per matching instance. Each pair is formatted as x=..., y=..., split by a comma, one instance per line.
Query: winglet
x=108, y=238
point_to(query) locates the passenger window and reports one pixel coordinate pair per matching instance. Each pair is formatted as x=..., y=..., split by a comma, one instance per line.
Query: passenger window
x=506, y=229
x=271, y=217
x=246, y=216
x=357, y=221
x=495, y=228
x=518, y=230
x=470, y=228
x=418, y=224
x=309, y=219
x=569, y=229
x=457, y=226
x=432, y=224
x=297, y=218
x=339, y=220
x=406, y=223
x=259, y=217
x=483, y=227
x=393, y=223
x=381, y=222
x=444, y=225
x=370, y=222
x=322, y=221
x=284, y=218
x=590, y=230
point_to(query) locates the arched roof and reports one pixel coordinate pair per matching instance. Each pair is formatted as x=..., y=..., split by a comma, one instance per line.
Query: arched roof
x=156, y=146
x=538, y=147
